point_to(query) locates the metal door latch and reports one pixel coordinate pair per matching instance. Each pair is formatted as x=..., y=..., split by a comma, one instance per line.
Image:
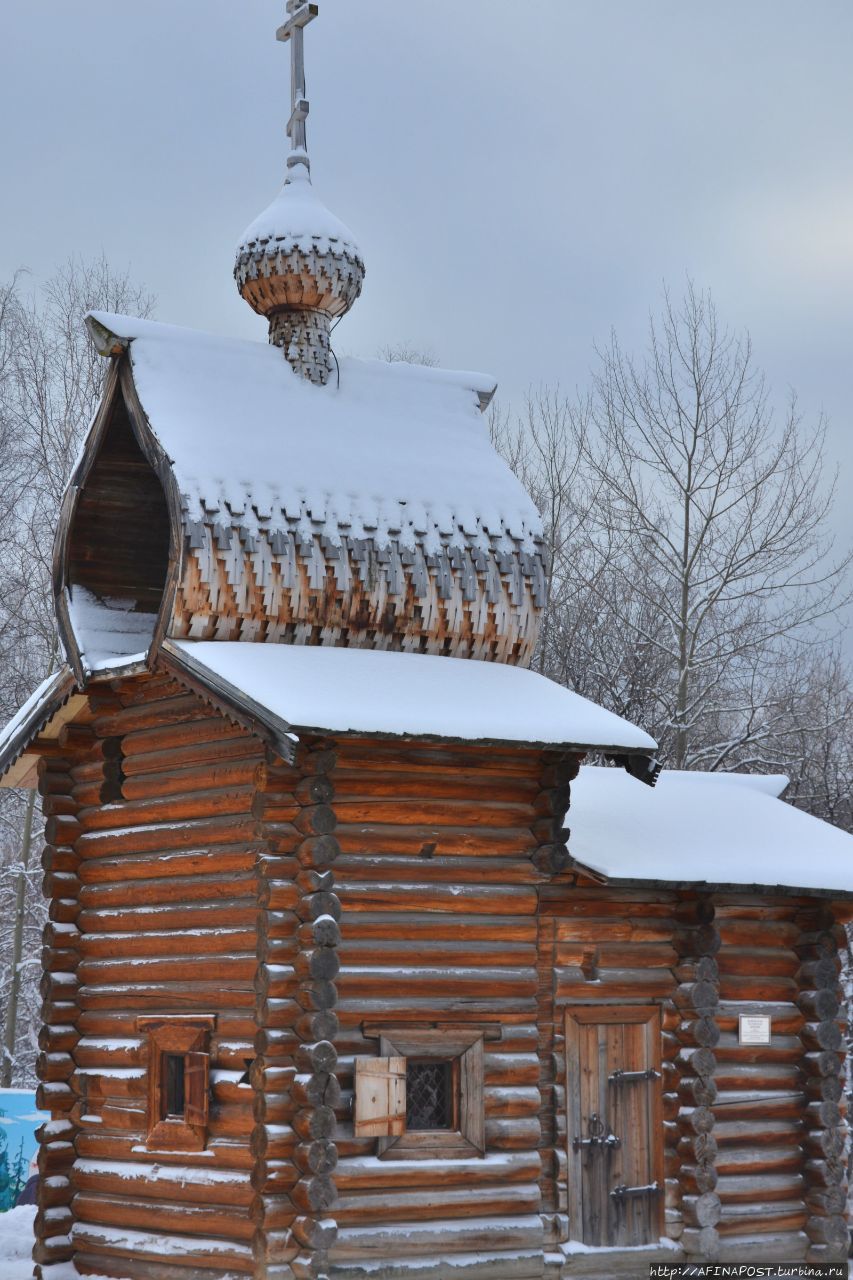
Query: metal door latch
x=622, y=1192
x=628, y=1077
x=597, y=1136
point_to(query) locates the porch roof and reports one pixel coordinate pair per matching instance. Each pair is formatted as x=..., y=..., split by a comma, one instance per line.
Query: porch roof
x=295, y=688
x=704, y=828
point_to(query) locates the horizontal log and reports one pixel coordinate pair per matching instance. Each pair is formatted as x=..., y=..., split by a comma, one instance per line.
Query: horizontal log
x=314, y=1193
x=314, y=1025
x=171, y=918
x=750, y=1160
x=831, y=1230
x=444, y=1202
x=320, y=1157
x=820, y=1006
x=320, y=852
x=747, y=1188
x=168, y=836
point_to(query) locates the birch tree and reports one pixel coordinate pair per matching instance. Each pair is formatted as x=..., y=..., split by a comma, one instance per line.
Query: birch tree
x=50, y=383
x=691, y=586
x=720, y=515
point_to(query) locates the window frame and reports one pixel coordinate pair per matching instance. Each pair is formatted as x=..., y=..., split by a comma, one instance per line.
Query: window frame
x=464, y=1051
x=186, y=1036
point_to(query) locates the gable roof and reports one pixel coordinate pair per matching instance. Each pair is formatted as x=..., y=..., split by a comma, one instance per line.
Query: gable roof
x=37, y=714
x=704, y=828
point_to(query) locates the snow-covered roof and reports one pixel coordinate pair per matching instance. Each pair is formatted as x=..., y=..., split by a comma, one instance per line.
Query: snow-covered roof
x=713, y=828
x=31, y=718
x=396, y=451
x=335, y=690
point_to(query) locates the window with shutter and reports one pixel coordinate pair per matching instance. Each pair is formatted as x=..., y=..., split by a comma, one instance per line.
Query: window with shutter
x=380, y=1097
x=423, y=1093
x=178, y=1080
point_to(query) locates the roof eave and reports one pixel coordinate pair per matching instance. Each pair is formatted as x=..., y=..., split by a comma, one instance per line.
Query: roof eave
x=709, y=886
x=229, y=699
x=260, y=719
x=16, y=760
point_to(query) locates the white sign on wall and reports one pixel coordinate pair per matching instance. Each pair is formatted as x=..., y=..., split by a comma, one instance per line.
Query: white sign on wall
x=753, y=1029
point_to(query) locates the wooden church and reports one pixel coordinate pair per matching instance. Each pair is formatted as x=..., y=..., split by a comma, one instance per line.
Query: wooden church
x=329, y=989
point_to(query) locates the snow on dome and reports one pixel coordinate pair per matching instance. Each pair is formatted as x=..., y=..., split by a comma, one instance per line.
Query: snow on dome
x=700, y=828
x=297, y=218
x=299, y=266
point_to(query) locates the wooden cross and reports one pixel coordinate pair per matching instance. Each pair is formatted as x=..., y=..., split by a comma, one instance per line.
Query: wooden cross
x=294, y=31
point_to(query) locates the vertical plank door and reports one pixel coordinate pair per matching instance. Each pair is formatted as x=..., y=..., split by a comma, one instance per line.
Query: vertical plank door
x=614, y=1124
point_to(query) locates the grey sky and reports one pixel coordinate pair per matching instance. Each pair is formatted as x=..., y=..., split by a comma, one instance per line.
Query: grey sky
x=520, y=176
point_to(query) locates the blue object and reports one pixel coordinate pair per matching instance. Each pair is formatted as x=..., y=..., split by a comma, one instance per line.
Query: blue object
x=19, y=1120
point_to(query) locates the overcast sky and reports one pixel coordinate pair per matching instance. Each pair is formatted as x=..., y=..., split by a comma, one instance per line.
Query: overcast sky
x=520, y=176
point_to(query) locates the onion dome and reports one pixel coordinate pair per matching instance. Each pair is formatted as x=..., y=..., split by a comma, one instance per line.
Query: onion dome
x=297, y=264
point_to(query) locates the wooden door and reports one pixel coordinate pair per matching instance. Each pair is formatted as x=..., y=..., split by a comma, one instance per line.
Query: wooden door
x=614, y=1125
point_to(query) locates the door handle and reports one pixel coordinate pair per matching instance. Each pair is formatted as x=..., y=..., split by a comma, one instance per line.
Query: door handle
x=622, y=1192
x=629, y=1077
x=597, y=1136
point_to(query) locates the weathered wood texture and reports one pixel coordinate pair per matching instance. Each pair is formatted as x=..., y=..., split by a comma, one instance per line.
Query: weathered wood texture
x=158, y=893
x=375, y=889
x=692, y=1011
x=118, y=543
x=824, y=1180
x=277, y=584
x=439, y=930
x=61, y=1025
x=608, y=947
x=760, y=1106
x=752, y=1135
x=294, y=1068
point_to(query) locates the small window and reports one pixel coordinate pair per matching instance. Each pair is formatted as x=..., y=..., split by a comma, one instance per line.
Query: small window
x=429, y=1095
x=178, y=1080
x=424, y=1094
x=174, y=1097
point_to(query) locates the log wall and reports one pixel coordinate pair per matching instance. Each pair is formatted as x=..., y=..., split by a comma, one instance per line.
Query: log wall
x=375, y=886
x=753, y=1135
x=440, y=929
x=154, y=854
x=607, y=946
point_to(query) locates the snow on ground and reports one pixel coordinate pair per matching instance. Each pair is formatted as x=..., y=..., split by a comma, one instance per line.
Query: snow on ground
x=16, y=1245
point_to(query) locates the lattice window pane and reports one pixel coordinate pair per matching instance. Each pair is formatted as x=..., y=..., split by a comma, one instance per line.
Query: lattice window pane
x=429, y=1095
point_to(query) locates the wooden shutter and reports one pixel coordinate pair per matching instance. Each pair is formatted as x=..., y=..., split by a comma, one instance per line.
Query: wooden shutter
x=380, y=1097
x=196, y=1089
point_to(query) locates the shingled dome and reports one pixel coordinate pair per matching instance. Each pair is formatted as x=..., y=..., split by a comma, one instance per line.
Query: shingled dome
x=298, y=265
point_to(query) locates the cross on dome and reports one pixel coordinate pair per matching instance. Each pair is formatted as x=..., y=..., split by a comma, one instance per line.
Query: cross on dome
x=297, y=264
x=294, y=31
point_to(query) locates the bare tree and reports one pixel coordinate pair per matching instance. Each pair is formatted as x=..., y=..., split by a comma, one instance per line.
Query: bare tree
x=406, y=353
x=689, y=584
x=50, y=383
x=720, y=517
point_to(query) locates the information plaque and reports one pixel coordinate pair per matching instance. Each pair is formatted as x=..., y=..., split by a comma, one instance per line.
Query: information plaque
x=753, y=1029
